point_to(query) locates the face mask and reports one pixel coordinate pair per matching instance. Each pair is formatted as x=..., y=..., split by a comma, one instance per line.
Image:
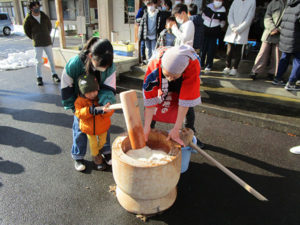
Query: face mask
x=217, y=4
x=178, y=20
x=151, y=8
x=164, y=8
x=36, y=10
x=187, y=2
x=177, y=2
x=101, y=69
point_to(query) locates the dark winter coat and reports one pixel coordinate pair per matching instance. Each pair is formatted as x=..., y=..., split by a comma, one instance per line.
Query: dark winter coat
x=38, y=32
x=290, y=28
x=199, y=31
x=143, y=25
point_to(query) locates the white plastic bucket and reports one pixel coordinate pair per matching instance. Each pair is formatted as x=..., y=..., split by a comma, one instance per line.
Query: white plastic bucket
x=186, y=156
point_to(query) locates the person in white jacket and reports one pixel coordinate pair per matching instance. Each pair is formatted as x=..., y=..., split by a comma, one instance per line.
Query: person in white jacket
x=241, y=14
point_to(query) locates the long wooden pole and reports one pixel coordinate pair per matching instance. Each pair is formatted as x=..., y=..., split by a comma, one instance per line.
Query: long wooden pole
x=60, y=18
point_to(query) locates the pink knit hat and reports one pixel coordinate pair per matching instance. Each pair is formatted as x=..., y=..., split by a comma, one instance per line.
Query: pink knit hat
x=176, y=59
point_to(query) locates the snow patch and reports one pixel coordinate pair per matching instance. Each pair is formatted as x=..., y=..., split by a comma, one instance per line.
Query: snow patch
x=18, y=60
x=19, y=31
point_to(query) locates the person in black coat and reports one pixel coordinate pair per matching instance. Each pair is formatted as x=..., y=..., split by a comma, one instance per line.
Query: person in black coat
x=289, y=44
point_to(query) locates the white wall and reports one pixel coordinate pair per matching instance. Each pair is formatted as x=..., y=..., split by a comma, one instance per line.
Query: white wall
x=123, y=30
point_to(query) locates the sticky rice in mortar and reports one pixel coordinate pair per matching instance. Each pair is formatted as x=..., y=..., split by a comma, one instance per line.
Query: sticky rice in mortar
x=149, y=156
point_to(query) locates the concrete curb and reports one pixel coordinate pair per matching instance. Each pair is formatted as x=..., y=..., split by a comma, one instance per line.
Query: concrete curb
x=254, y=120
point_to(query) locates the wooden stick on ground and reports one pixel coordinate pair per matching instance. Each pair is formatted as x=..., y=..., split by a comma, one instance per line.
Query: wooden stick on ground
x=187, y=136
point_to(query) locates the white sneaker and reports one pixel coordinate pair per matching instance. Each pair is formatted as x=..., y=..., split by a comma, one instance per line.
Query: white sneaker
x=233, y=72
x=207, y=70
x=79, y=166
x=295, y=150
x=226, y=70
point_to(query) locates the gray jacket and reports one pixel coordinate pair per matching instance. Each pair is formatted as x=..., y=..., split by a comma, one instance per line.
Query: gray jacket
x=272, y=20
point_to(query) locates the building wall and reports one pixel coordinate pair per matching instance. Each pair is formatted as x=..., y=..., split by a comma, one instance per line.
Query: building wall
x=123, y=31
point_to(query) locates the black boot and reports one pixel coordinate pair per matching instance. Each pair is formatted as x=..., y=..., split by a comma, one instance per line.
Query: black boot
x=39, y=81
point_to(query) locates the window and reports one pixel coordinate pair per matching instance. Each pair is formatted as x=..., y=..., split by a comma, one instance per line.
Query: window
x=7, y=7
x=129, y=13
x=3, y=17
x=69, y=9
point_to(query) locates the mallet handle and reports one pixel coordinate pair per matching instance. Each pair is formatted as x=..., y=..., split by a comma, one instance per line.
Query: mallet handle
x=246, y=186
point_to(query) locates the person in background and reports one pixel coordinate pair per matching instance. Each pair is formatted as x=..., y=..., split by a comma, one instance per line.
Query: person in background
x=198, y=23
x=96, y=58
x=150, y=26
x=289, y=44
x=138, y=18
x=214, y=19
x=179, y=2
x=166, y=38
x=269, y=53
x=165, y=13
x=37, y=26
x=185, y=36
x=167, y=6
x=240, y=16
x=185, y=33
x=93, y=122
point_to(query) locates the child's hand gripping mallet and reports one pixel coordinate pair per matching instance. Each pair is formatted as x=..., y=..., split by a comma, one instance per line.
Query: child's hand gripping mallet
x=186, y=136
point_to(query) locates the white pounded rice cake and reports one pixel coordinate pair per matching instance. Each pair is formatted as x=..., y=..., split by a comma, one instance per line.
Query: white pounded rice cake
x=148, y=155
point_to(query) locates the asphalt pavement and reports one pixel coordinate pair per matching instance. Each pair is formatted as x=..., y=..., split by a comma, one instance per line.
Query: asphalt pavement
x=39, y=185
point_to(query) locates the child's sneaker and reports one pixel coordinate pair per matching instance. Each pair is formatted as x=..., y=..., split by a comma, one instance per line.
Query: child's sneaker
x=79, y=166
x=226, y=70
x=99, y=163
x=291, y=87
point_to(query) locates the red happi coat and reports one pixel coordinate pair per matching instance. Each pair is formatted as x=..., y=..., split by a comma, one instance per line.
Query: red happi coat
x=157, y=93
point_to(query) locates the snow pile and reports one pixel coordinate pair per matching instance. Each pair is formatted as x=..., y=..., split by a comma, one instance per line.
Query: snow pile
x=18, y=60
x=18, y=30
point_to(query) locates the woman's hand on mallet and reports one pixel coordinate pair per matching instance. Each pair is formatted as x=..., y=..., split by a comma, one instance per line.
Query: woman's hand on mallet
x=174, y=135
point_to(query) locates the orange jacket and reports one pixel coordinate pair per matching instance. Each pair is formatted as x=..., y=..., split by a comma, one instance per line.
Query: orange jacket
x=87, y=120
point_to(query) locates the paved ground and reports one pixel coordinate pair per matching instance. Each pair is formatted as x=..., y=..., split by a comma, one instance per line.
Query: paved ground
x=38, y=184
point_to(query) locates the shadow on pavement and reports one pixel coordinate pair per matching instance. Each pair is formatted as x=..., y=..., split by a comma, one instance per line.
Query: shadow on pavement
x=34, y=97
x=10, y=167
x=19, y=138
x=208, y=196
x=38, y=116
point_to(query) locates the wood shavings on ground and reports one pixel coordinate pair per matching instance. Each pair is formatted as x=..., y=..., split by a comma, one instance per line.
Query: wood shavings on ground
x=112, y=189
x=142, y=218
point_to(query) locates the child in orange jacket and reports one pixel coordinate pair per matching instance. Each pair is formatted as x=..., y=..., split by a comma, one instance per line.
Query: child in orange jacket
x=92, y=121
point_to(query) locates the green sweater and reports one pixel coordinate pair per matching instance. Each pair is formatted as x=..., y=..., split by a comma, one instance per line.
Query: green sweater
x=38, y=32
x=69, y=83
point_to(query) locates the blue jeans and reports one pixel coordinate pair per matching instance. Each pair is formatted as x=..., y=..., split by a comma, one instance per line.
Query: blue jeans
x=284, y=63
x=150, y=45
x=40, y=61
x=78, y=150
x=143, y=52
